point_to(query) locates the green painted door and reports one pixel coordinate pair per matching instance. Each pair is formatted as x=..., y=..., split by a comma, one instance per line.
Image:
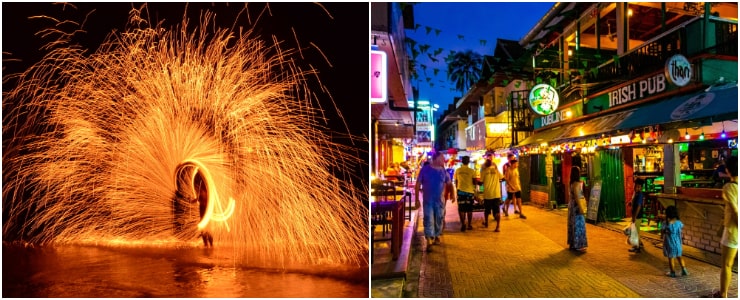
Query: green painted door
x=611, y=206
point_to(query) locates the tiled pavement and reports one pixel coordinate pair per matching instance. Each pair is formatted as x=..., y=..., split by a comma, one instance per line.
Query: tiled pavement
x=529, y=258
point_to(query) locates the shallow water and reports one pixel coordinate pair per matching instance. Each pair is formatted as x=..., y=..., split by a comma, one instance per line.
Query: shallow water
x=88, y=271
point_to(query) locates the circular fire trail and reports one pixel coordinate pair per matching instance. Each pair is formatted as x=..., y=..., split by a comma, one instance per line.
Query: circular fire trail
x=106, y=145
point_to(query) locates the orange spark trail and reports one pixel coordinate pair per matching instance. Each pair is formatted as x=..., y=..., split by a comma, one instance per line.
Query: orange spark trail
x=99, y=138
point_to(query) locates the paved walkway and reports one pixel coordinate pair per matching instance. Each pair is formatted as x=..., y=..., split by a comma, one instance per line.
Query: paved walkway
x=529, y=258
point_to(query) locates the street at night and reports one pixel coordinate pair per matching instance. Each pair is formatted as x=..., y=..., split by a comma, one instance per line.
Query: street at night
x=600, y=136
x=184, y=150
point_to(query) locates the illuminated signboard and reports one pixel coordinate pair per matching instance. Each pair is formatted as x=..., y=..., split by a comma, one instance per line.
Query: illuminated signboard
x=678, y=70
x=622, y=139
x=424, y=126
x=378, y=77
x=543, y=99
x=637, y=90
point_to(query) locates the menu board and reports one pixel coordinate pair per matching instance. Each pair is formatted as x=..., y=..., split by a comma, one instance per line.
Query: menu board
x=593, y=202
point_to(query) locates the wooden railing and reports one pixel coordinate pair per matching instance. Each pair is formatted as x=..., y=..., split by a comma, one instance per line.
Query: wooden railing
x=725, y=37
x=649, y=57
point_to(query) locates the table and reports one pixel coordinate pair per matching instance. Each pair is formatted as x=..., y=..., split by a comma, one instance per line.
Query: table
x=386, y=192
x=388, y=213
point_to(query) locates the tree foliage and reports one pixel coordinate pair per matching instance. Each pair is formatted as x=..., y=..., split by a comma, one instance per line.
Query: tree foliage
x=464, y=69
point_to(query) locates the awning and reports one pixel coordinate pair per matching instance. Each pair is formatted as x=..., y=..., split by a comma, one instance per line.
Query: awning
x=396, y=131
x=719, y=103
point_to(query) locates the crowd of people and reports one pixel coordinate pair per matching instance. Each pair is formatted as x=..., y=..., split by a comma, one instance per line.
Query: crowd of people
x=462, y=187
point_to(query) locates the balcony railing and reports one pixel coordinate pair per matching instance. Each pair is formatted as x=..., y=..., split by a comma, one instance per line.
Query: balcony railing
x=725, y=37
x=652, y=55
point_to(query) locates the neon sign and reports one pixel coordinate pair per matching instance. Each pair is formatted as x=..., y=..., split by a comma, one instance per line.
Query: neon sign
x=543, y=99
x=378, y=77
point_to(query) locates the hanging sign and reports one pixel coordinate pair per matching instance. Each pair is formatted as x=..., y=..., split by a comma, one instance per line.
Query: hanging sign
x=378, y=77
x=678, y=70
x=543, y=99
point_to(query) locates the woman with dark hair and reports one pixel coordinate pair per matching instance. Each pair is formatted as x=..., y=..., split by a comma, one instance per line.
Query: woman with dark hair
x=576, y=207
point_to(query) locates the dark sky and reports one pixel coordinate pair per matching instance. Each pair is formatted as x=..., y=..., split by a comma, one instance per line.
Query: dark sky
x=466, y=26
x=341, y=34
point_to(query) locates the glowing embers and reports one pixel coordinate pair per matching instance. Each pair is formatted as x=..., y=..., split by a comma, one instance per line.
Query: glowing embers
x=100, y=164
x=199, y=185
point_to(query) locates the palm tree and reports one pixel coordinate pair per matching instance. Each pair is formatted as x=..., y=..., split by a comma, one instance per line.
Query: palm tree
x=463, y=69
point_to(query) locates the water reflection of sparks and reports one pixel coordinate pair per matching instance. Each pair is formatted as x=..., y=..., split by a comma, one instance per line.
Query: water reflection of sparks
x=98, y=137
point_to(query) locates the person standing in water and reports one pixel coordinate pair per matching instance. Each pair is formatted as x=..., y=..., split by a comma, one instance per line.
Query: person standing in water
x=201, y=192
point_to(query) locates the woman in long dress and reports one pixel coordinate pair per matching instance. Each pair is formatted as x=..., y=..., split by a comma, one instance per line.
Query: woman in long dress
x=576, y=220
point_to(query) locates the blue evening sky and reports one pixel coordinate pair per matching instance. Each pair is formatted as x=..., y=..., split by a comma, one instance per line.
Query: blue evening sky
x=463, y=26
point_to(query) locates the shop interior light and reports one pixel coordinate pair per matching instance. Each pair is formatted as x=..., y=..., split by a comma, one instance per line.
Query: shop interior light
x=670, y=141
x=687, y=136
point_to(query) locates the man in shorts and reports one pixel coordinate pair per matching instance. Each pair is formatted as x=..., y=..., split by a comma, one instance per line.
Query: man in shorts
x=514, y=188
x=464, y=177
x=509, y=158
x=491, y=178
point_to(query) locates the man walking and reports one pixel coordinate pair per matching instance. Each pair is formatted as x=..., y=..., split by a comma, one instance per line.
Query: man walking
x=506, y=166
x=491, y=179
x=464, y=177
x=433, y=179
x=514, y=188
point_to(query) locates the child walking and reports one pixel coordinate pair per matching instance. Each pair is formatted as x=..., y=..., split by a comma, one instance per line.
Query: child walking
x=672, y=236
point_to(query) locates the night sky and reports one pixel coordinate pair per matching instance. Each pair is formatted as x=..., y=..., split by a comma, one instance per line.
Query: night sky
x=466, y=26
x=342, y=39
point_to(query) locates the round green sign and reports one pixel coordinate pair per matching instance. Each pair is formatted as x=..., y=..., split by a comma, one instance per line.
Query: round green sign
x=543, y=99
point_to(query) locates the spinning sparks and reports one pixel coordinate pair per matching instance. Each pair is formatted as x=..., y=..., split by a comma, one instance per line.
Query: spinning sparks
x=104, y=147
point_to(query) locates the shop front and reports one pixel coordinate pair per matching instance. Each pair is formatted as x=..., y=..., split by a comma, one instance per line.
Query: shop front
x=698, y=124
